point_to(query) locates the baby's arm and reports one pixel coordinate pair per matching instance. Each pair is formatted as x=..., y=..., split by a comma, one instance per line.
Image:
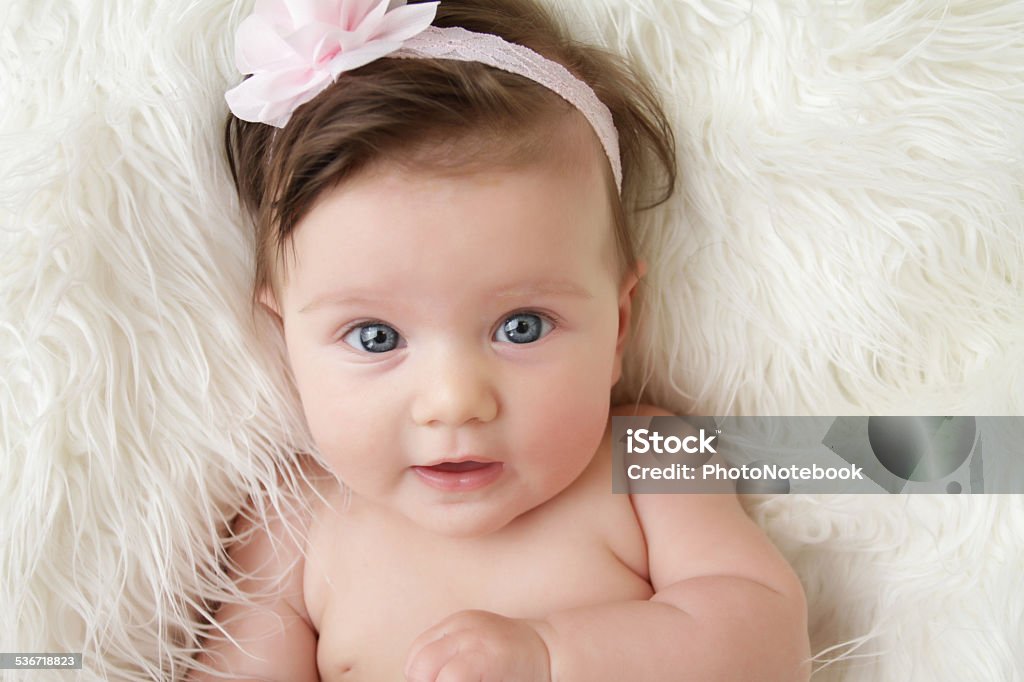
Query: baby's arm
x=279, y=641
x=727, y=606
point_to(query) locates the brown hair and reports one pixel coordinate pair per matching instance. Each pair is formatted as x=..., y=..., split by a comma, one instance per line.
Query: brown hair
x=397, y=110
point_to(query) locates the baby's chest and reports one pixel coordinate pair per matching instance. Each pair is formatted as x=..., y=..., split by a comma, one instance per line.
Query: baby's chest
x=378, y=599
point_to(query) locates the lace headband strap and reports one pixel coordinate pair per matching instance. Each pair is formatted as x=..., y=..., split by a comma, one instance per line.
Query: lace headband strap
x=294, y=49
x=459, y=44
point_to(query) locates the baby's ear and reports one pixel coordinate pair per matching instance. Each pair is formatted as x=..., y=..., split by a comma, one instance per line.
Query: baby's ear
x=627, y=291
x=638, y=274
x=268, y=300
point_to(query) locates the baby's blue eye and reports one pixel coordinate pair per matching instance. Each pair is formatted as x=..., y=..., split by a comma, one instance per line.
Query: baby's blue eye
x=522, y=328
x=373, y=338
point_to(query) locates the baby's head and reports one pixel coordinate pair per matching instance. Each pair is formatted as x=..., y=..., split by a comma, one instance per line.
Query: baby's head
x=452, y=265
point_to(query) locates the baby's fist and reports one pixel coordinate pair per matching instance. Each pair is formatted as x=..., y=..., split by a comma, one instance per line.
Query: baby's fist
x=479, y=646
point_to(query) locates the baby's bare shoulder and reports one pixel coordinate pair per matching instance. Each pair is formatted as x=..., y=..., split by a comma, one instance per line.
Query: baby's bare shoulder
x=692, y=535
x=273, y=541
x=268, y=633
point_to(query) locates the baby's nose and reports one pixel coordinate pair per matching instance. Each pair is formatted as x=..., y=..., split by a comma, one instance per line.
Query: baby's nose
x=455, y=388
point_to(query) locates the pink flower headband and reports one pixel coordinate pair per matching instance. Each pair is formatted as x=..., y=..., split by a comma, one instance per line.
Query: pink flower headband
x=294, y=49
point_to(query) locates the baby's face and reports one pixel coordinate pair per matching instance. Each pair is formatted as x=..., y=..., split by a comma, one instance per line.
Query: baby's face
x=434, y=319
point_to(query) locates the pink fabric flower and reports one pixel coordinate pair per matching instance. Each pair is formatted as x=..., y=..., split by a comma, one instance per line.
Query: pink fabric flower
x=296, y=48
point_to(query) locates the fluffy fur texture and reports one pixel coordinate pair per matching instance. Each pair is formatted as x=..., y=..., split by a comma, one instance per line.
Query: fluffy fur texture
x=848, y=238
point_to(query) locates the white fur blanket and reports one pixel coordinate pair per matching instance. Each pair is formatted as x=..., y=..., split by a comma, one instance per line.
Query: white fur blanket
x=848, y=239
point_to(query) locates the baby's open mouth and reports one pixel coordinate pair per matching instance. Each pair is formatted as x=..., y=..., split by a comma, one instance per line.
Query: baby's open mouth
x=460, y=476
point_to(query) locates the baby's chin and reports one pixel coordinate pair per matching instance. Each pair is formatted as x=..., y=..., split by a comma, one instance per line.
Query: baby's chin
x=464, y=521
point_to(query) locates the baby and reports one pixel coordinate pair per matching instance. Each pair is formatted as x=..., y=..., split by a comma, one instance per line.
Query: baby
x=455, y=309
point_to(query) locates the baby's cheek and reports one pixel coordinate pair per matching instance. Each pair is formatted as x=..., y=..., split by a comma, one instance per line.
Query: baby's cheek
x=334, y=411
x=572, y=411
x=345, y=440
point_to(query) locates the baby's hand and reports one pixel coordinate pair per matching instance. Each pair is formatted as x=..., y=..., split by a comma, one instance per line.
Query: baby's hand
x=479, y=646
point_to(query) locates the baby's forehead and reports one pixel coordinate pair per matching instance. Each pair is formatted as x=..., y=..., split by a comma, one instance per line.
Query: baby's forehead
x=564, y=141
x=574, y=181
x=495, y=219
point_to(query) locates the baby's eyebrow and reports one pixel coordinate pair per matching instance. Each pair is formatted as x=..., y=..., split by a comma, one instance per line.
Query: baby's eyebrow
x=548, y=287
x=338, y=298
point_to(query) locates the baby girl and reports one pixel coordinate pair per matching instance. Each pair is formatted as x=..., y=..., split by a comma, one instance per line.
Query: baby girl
x=456, y=306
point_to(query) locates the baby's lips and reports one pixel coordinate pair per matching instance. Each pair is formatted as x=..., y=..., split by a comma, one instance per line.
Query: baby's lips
x=461, y=459
x=461, y=466
x=463, y=476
